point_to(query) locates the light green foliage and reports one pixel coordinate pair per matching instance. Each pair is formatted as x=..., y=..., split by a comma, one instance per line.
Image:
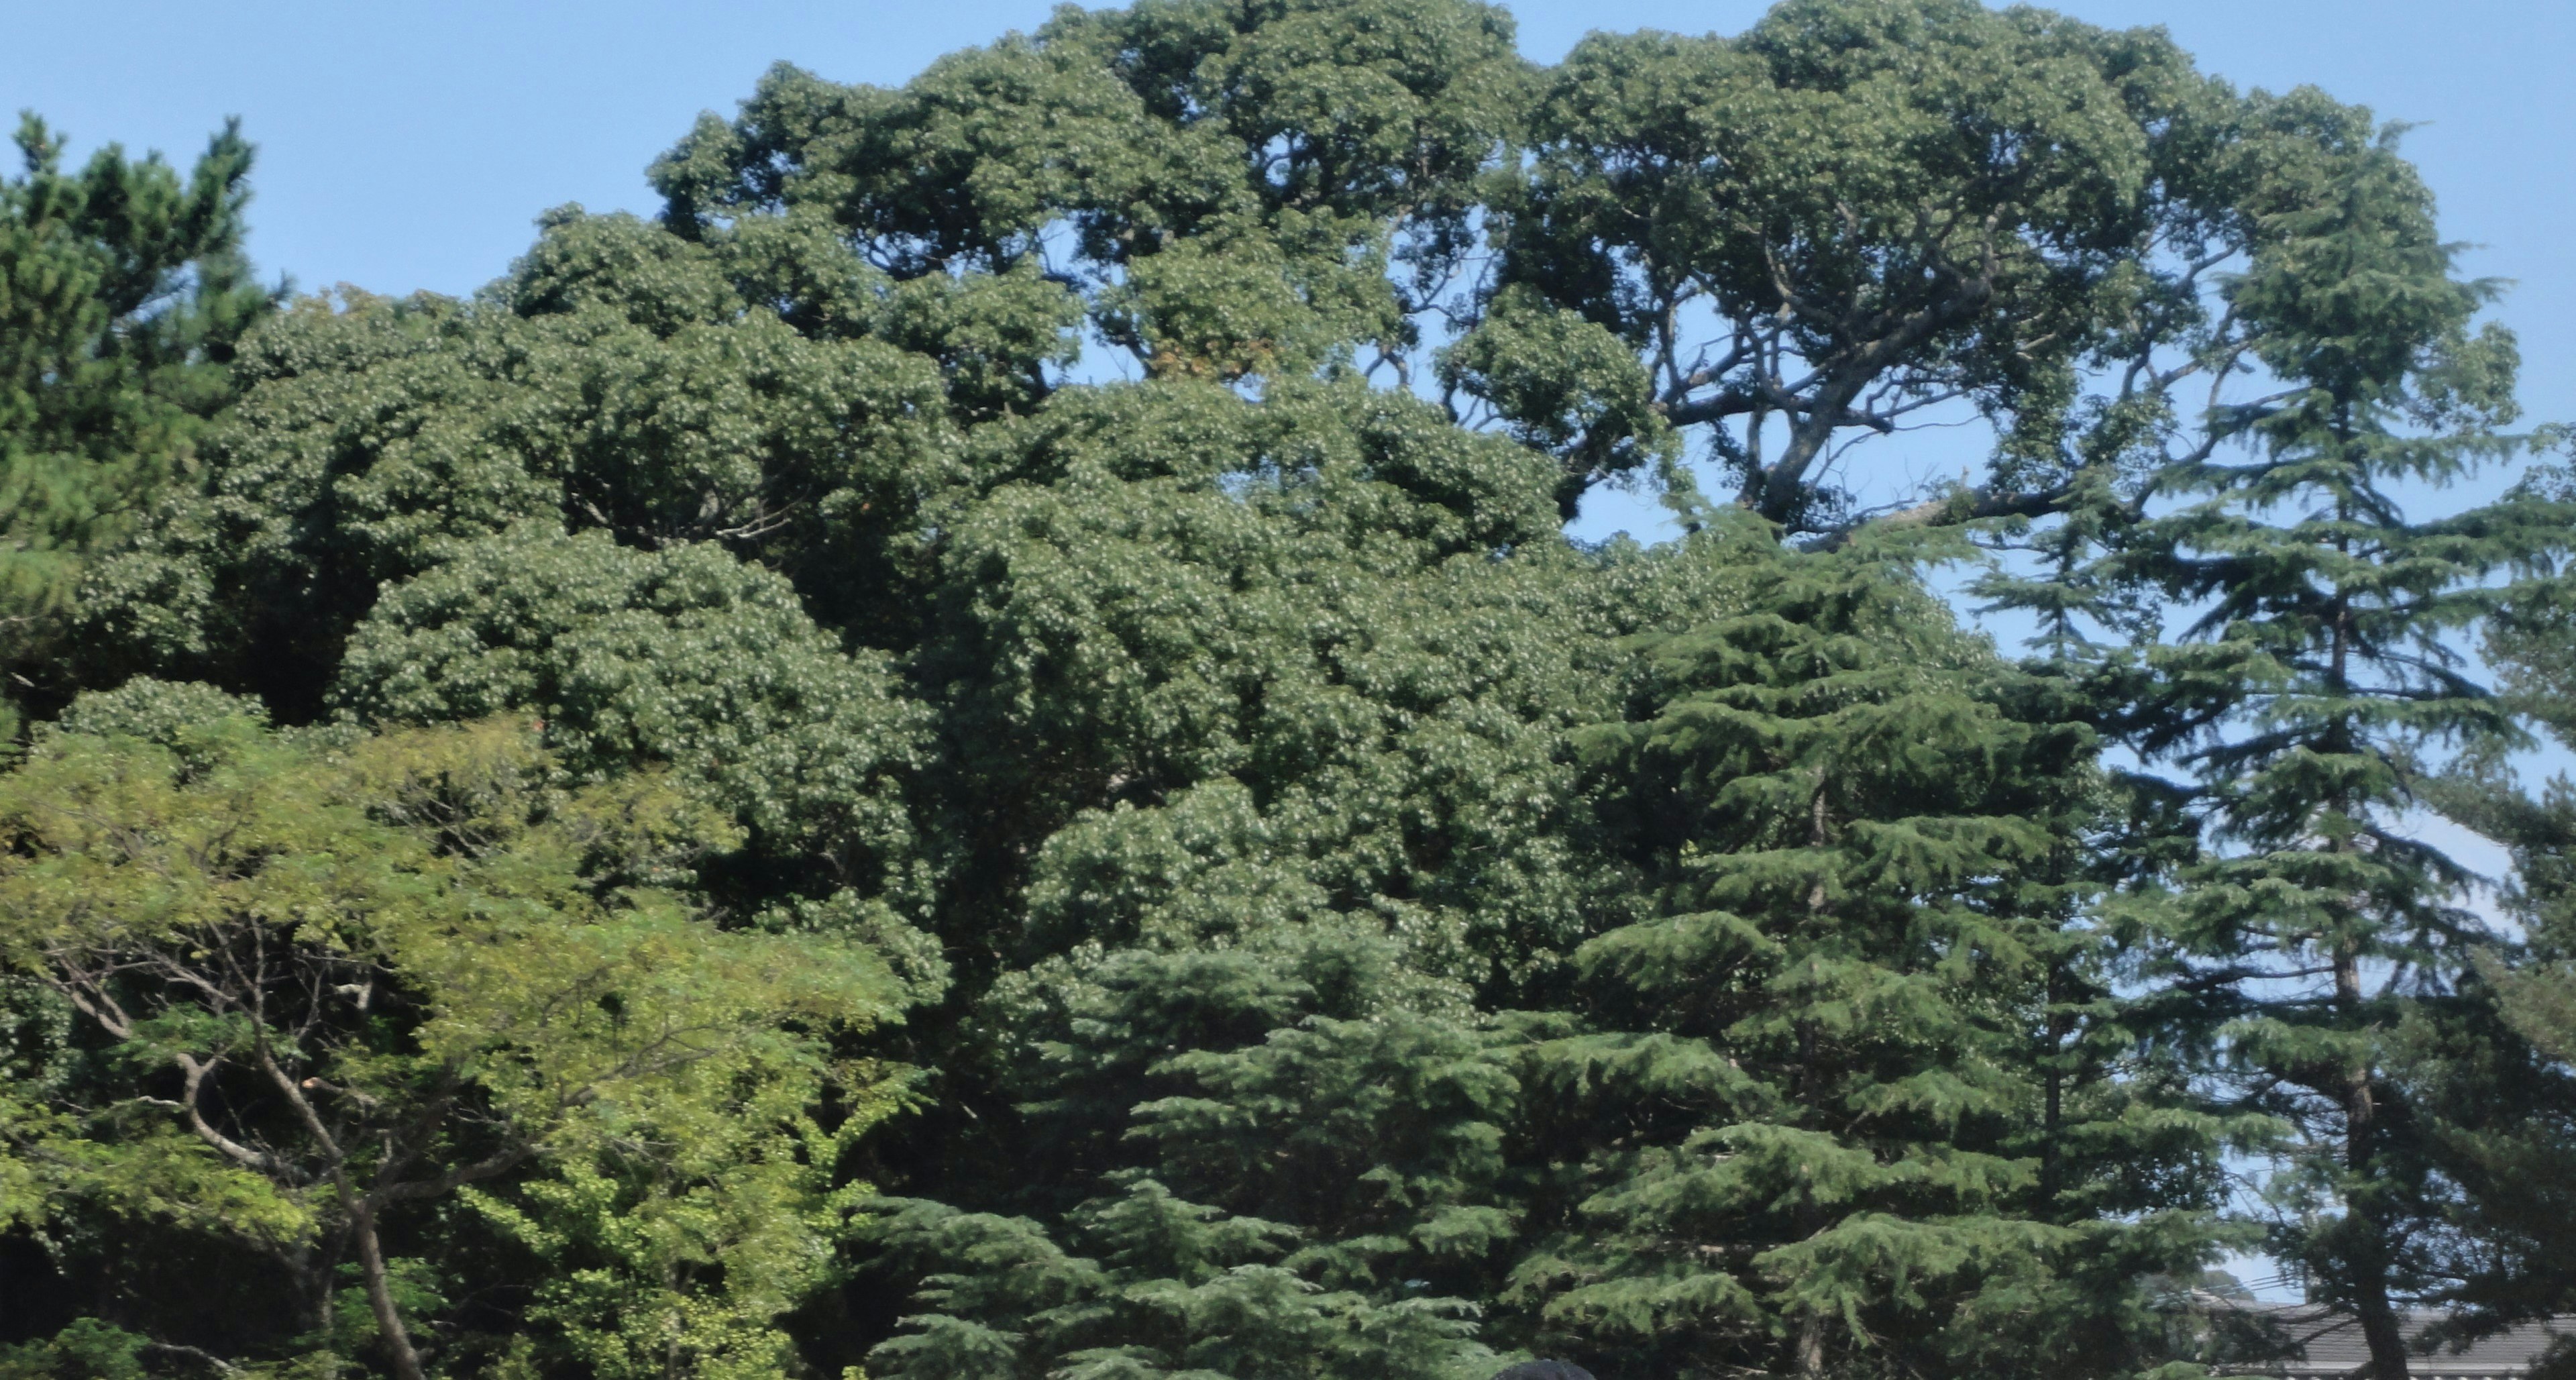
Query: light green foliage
x=160, y=712
x=122, y=293
x=322, y=995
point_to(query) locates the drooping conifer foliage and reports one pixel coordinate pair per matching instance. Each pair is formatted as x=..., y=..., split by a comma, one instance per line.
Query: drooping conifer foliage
x=979, y=751
x=1863, y=1083
x=2320, y=668
x=2505, y=1113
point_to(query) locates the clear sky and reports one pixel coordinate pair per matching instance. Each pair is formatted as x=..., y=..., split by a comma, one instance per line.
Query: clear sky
x=407, y=146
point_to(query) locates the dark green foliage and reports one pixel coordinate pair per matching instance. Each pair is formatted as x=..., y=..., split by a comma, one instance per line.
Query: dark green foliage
x=1858, y=210
x=1565, y=384
x=123, y=292
x=2507, y=1110
x=631, y=659
x=1287, y=734
x=1316, y=1157
x=1861, y=1087
x=616, y=382
x=1284, y=617
x=1248, y=189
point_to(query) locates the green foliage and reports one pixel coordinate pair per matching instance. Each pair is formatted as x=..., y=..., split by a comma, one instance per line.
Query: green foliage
x=86, y=1350
x=1862, y=1086
x=1178, y=1290
x=1317, y=1160
x=617, y=382
x=537, y=742
x=1248, y=190
x=2507, y=1109
x=323, y=994
x=2319, y=673
x=123, y=292
x=1296, y=599
x=1566, y=385
x=1280, y=695
x=631, y=659
x=1858, y=210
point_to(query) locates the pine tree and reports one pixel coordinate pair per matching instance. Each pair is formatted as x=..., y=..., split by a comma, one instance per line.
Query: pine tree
x=1862, y=1087
x=123, y=291
x=2317, y=670
x=2506, y=1109
x=1312, y=1190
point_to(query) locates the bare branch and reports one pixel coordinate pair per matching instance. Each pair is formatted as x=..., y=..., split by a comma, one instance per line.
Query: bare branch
x=416, y=1190
x=194, y=1075
x=205, y=1358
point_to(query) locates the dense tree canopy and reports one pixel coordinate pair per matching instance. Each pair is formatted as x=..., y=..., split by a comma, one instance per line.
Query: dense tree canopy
x=979, y=752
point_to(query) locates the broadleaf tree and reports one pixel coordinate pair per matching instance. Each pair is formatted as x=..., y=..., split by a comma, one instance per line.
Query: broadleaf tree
x=325, y=996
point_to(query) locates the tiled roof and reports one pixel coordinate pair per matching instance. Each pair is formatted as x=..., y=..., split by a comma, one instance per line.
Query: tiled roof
x=2333, y=1346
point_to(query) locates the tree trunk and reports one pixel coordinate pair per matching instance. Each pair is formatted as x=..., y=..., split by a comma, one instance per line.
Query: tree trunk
x=2379, y=1327
x=2365, y=1239
x=380, y=1295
